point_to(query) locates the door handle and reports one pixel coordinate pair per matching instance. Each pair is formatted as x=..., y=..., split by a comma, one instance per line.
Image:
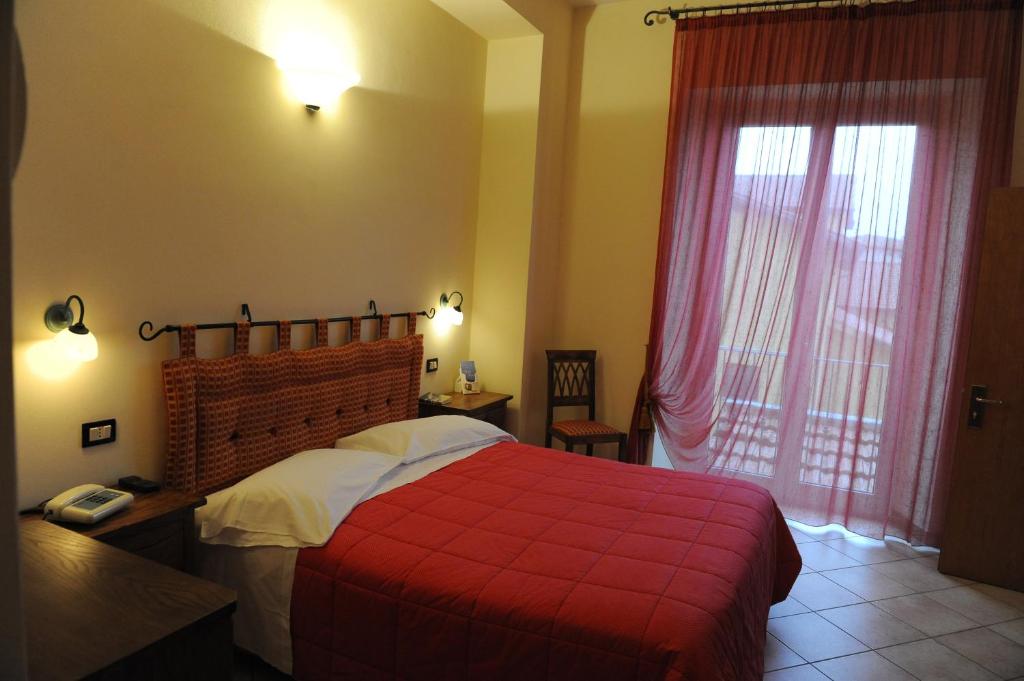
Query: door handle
x=976, y=407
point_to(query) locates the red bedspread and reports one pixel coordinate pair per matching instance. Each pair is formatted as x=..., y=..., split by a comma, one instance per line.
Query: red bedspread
x=525, y=563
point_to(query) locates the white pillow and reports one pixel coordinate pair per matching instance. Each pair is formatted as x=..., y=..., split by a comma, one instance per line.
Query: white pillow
x=419, y=438
x=299, y=501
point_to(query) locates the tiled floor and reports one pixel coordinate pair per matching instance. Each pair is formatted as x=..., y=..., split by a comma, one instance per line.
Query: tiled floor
x=865, y=610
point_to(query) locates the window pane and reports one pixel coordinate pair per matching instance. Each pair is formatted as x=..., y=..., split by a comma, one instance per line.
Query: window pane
x=771, y=165
x=773, y=151
x=877, y=161
x=868, y=200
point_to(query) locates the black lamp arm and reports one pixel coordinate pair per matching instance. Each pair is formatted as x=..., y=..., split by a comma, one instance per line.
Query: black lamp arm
x=81, y=307
x=462, y=299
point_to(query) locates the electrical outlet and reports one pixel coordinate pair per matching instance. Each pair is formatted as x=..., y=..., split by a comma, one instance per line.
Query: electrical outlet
x=99, y=432
x=432, y=365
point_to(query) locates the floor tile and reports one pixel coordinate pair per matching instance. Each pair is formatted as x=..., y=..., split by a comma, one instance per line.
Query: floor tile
x=869, y=666
x=935, y=662
x=804, y=570
x=871, y=626
x=819, y=556
x=817, y=592
x=867, y=583
x=918, y=575
x=995, y=653
x=803, y=673
x=926, y=615
x=778, y=656
x=976, y=605
x=865, y=550
x=1012, y=630
x=790, y=606
x=1013, y=598
x=813, y=638
x=905, y=549
x=799, y=537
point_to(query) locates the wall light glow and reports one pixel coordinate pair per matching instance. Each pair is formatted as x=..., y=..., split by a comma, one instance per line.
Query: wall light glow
x=47, y=360
x=311, y=43
x=314, y=71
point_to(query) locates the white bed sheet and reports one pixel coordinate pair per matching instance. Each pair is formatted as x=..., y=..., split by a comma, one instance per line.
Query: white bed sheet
x=263, y=575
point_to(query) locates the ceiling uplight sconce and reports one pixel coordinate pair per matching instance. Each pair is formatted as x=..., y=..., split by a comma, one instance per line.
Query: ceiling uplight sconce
x=318, y=88
x=73, y=338
x=450, y=314
x=315, y=71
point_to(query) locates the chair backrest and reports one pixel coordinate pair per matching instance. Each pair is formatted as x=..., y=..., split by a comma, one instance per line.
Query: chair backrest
x=571, y=380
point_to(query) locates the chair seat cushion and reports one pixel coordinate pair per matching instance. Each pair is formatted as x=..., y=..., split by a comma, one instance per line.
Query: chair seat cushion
x=582, y=428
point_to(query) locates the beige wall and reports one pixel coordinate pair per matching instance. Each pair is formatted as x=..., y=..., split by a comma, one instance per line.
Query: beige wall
x=168, y=176
x=554, y=20
x=505, y=215
x=617, y=119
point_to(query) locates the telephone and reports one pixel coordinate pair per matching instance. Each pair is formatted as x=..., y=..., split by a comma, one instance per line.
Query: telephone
x=86, y=504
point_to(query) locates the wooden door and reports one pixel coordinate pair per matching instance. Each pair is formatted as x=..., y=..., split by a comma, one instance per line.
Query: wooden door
x=984, y=535
x=12, y=126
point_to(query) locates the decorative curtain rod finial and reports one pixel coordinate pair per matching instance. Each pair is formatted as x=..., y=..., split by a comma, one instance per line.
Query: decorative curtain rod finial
x=649, y=19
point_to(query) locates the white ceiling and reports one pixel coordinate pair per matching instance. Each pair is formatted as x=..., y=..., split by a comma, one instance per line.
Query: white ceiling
x=492, y=19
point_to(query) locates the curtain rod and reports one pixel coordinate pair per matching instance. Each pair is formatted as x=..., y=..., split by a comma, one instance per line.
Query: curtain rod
x=675, y=14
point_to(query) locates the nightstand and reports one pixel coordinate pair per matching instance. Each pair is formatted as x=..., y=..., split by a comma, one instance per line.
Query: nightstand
x=158, y=525
x=488, y=407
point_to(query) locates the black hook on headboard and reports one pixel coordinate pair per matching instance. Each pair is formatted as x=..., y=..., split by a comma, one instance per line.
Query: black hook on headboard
x=144, y=337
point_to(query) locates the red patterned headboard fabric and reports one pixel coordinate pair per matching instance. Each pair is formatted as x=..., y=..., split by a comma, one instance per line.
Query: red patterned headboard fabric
x=230, y=417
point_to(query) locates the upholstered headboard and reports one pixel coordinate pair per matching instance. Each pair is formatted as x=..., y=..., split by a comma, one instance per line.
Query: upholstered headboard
x=230, y=417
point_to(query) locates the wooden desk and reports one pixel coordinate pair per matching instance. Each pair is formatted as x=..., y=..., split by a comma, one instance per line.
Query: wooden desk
x=95, y=611
x=488, y=407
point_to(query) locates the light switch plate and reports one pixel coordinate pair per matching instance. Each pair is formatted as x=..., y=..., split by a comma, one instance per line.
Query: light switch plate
x=99, y=432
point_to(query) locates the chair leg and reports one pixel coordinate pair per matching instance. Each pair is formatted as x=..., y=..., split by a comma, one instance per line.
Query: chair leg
x=547, y=440
x=590, y=450
x=570, y=446
x=622, y=447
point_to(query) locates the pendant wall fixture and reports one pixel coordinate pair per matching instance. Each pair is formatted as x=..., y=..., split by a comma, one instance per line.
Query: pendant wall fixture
x=73, y=338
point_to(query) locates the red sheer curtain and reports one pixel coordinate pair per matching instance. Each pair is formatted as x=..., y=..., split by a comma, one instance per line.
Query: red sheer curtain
x=825, y=175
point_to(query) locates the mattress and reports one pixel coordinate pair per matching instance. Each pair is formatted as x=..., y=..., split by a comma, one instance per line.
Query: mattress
x=525, y=563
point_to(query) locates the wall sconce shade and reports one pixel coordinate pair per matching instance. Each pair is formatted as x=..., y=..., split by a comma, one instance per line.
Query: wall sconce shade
x=73, y=338
x=317, y=87
x=450, y=314
x=454, y=312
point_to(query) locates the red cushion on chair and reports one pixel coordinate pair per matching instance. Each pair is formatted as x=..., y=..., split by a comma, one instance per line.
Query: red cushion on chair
x=582, y=428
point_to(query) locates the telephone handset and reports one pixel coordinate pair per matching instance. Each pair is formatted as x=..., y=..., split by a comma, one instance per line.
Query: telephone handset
x=86, y=504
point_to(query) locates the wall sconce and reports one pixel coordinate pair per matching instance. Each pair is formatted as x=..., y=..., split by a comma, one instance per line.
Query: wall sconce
x=315, y=70
x=73, y=338
x=449, y=314
x=316, y=88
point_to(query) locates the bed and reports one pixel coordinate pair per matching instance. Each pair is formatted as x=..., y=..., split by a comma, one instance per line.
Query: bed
x=491, y=559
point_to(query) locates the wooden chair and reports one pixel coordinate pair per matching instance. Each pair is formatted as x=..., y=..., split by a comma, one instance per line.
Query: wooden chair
x=571, y=383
